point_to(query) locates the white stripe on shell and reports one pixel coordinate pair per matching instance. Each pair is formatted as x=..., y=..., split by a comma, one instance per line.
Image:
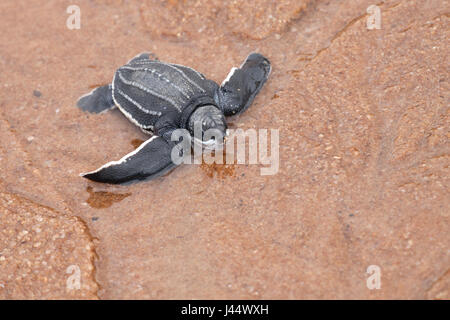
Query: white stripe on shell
x=136, y=56
x=144, y=88
x=126, y=113
x=133, y=120
x=230, y=74
x=143, y=61
x=160, y=76
x=140, y=107
x=195, y=71
x=186, y=77
x=174, y=66
x=122, y=160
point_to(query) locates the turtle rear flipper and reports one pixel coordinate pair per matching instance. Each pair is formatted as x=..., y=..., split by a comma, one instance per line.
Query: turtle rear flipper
x=239, y=89
x=151, y=160
x=98, y=100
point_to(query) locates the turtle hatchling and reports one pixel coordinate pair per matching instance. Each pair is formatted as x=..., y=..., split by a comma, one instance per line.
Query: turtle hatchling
x=161, y=97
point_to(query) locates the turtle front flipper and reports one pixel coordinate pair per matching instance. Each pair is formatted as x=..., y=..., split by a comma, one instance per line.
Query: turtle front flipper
x=98, y=100
x=152, y=159
x=239, y=89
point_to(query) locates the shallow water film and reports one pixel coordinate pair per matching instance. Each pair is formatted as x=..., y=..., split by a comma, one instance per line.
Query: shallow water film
x=358, y=208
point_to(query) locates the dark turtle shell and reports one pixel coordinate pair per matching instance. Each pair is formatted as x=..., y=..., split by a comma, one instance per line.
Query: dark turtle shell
x=146, y=89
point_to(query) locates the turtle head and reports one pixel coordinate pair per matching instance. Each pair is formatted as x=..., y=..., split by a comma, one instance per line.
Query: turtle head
x=208, y=127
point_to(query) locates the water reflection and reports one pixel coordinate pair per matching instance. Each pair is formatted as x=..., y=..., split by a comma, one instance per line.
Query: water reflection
x=104, y=199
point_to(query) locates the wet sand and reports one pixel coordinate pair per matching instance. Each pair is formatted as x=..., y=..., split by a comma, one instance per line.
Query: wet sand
x=364, y=154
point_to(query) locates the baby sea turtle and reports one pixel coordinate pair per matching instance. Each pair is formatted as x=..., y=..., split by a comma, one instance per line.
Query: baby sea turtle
x=161, y=97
